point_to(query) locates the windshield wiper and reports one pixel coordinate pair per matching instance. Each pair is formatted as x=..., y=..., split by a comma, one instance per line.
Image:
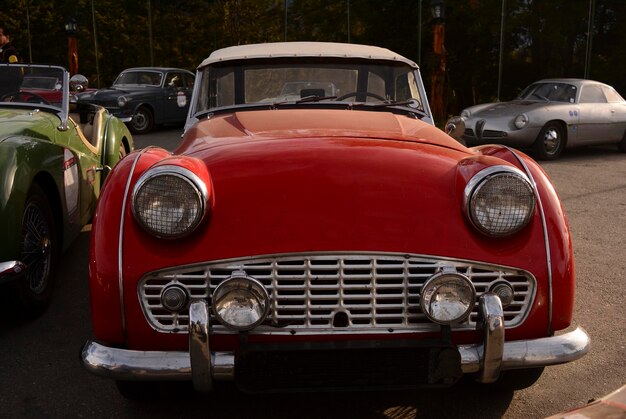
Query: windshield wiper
x=314, y=98
x=411, y=103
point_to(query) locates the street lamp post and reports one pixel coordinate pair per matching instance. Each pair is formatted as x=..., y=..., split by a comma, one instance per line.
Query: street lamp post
x=71, y=27
x=437, y=91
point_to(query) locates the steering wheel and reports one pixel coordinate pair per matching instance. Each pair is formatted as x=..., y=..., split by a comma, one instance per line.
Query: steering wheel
x=27, y=97
x=367, y=94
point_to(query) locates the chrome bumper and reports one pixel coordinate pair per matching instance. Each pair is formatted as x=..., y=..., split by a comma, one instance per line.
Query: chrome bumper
x=203, y=367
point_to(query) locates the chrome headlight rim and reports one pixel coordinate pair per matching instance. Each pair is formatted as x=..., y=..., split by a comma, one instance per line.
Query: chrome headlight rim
x=240, y=278
x=479, y=180
x=521, y=121
x=445, y=277
x=188, y=176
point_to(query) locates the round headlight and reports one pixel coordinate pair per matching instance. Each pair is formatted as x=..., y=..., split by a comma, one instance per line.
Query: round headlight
x=122, y=101
x=521, y=121
x=174, y=298
x=169, y=201
x=499, y=201
x=447, y=298
x=240, y=302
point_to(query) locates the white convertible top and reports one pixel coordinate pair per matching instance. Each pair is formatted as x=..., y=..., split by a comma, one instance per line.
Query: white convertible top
x=304, y=49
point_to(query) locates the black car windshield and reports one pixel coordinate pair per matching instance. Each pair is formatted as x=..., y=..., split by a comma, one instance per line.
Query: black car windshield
x=138, y=78
x=553, y=92
x=283, y=80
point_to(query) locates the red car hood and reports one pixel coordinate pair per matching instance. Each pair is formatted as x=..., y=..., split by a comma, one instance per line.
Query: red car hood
x=310, y=123
x=286, y=182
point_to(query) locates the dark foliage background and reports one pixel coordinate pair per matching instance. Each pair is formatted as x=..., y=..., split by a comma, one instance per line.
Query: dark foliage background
x=542, y=38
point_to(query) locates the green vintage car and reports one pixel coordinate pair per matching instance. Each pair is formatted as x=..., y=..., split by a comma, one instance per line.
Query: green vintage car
x=54, y=157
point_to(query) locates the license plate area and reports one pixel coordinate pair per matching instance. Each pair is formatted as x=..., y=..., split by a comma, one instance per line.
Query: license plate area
x=327, y=366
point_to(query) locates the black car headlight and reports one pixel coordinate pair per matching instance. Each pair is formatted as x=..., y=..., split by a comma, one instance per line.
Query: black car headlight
x=169, y=201
x=122, y=101
x=499, y=201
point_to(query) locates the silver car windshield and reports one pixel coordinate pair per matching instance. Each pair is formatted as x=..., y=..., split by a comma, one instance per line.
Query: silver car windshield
x=553, y=92
x=21, y=83
x=276, y=81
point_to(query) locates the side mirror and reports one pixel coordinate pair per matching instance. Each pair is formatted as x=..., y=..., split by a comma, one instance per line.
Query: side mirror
x=78, y=83
x=455, y=128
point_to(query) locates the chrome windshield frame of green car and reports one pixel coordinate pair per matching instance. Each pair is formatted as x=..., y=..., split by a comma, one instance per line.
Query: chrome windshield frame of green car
x=61, y=108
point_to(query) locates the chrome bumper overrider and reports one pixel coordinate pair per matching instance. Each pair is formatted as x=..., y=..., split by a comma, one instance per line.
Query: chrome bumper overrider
x=203, y=366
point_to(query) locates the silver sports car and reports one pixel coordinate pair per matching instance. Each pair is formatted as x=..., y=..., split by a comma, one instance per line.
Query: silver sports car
x=548, y=116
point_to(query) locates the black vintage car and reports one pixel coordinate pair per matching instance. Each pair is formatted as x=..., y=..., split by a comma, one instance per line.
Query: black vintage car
x=146, y=96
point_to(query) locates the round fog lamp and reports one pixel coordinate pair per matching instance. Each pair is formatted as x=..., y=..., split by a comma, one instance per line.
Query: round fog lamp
x=174, y=298
x=503, y=290
x=447, y=298
x=240, y=302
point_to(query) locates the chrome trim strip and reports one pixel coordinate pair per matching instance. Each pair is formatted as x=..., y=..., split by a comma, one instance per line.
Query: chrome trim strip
x=125, y=364
x=199, y=351
x=493, y=344
x=545, y=236
x=120, y=276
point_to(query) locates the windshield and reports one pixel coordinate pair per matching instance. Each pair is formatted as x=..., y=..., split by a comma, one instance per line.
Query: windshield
x=31, y=84
x=554, y=92
x=139, y=78
x=276, y=81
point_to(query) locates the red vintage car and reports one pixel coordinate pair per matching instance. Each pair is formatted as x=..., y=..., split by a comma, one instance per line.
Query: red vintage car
x=316, y=230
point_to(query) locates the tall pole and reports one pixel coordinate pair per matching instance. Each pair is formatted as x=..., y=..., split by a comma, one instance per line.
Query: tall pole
x=95, y=43
x=285, y=6
x=71, y=27
x=589, y=36
x=437, y=102
x=73, y=54
x=348, y=21
x=30, y=49
x=501, y=49
x=419, y=34
x=150, y=33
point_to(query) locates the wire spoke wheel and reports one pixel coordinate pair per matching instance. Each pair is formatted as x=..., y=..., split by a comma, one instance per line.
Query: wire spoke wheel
x=39, y=251
x=36, y=247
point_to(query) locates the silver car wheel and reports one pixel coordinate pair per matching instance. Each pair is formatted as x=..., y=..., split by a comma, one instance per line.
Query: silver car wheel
x=550, y=142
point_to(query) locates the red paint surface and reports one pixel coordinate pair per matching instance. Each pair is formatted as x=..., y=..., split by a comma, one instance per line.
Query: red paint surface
x=317, y=180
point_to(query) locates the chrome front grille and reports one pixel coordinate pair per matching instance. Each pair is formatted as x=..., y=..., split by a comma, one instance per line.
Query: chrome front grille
x=375, y=292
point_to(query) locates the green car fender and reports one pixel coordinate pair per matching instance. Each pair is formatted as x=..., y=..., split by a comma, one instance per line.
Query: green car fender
x=117, y=141
x=23, y=162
